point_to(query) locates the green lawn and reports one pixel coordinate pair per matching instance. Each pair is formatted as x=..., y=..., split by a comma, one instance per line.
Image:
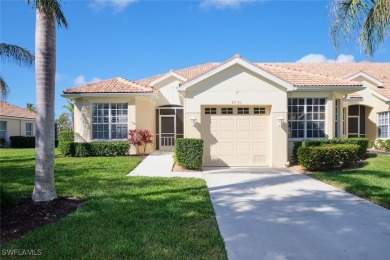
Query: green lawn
x=371, y=182
x=123, y=217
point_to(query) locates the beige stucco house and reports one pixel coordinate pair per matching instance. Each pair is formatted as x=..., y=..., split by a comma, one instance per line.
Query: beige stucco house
x=249, y=114
x=15, y=121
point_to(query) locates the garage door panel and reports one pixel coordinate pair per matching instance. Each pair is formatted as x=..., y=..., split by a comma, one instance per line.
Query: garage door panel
x=243, y=123
x=259, y=147
x=226, y=123
x=240, y=134
x=226, y=134
x=259, y=134
x=260, y=122
x=243, y=147
x=227, y=146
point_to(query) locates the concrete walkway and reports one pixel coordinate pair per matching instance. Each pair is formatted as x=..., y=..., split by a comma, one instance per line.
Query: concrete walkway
x=159, y=164
x=266, y=213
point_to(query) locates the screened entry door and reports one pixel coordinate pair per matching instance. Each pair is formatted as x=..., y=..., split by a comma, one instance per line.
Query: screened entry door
x=167, y=132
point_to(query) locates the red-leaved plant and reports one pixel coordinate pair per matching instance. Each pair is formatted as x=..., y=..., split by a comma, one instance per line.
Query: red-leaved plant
x=140, y=138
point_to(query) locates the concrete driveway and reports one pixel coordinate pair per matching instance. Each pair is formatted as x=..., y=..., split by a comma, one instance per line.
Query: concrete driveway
x=278, y=214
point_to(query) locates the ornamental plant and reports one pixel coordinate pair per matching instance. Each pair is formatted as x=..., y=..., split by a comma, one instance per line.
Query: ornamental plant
x=140, y=138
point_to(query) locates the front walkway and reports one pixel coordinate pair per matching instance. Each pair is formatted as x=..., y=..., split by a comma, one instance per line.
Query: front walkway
x=159, y=164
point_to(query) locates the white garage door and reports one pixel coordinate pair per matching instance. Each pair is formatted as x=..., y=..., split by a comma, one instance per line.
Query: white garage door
x=235, y=136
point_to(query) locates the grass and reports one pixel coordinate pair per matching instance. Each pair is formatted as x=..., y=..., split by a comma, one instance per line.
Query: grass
x=123, y=217
x=371, y=182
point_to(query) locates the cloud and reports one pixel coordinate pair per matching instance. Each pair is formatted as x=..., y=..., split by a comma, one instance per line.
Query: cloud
x=319, y=58
x=117, y=5
x=81, y=80
x=223, y=4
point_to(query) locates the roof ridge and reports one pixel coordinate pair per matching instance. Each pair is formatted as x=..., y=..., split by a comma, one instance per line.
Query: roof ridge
x=7, y=103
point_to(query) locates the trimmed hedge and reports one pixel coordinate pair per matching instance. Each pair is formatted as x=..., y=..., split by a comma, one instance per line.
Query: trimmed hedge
x=382, y=144
x=95, y=149
x=22, y=141
x=326, y=156
x=361, y=142
x=188, y=152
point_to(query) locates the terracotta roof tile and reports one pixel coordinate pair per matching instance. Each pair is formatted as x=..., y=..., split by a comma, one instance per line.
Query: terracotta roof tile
x=7, y=109
x=115, y=85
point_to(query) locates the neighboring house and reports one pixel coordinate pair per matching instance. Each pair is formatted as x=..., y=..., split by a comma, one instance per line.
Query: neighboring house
x=249, y=114
x=15, y=121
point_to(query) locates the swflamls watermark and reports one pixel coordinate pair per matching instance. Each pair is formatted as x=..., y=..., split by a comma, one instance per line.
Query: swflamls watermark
x=21, y=252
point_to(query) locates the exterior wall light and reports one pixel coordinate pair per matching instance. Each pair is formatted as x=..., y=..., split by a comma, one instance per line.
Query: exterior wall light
x=280, y=121
x=193, y=121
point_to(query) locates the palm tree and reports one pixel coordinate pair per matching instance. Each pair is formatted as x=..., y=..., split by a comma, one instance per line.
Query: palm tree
x=16, y=54
x=368, y=20
x=31, y=107
x=48, y=12
x=70, y=110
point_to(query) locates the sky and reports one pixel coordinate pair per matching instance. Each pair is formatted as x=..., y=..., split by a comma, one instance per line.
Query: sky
x=137, y=39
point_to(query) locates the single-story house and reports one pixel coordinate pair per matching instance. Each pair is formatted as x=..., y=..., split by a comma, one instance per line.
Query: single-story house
x=15, y=121
x=248, y=113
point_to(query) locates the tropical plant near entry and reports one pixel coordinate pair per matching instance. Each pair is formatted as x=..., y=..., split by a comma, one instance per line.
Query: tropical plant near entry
x=140, y=138
x=48, y=12
x=16, y=54
x=368, y=20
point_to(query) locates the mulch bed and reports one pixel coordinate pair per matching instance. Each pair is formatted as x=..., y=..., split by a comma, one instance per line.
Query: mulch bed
x=27, y=215
x=177, y=168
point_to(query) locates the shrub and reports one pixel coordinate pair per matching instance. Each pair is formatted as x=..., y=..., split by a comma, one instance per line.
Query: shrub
x=361, y=142
x=96, y=149
x=22, y=141
x=382, y=144
x=294, y=156
x=140, y=138
x=64, y=138
x=327, y=157
x=188, y=152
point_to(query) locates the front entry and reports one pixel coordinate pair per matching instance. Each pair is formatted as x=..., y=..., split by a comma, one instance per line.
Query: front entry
x=169, y=124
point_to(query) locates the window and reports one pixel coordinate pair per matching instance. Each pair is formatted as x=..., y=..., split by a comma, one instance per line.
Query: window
x=243, y=110
x=384, y=125
x=210, y=111
x=227, y=111
x=337, y=118
x=3, y=129
x=29, y=129
x=306, y=117
x=259, y=110
x=109, y=121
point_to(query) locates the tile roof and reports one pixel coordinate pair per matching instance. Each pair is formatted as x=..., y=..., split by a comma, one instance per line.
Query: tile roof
x=297, y=74
x=9, y=110
x=115, y=85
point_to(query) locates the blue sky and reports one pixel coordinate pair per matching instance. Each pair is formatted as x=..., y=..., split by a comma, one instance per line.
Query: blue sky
x=137, y=39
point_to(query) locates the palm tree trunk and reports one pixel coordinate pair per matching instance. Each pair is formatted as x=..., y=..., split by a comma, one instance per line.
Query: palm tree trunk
x=45, y=66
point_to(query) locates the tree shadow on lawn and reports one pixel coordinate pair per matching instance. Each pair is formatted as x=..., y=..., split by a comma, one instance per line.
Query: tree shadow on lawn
x=170, y=221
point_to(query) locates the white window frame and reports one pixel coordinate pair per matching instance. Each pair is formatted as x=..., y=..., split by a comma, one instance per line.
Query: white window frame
x=4, y=130
x=384, y=120
x=344, y=120
x=337, y=118
x=31, y=131
x=305, y=119
x=110, y=123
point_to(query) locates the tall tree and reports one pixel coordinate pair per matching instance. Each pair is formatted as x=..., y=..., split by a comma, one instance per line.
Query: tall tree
x=63, y=122
x=15, y=54
x=31, y=107
x=48, y=13
x=366, y=20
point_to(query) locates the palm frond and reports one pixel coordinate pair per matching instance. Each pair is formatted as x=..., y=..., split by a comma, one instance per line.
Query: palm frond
x=3, y=89
x=16, y=54
x=376, y=27
x=52, y=10
x=366, y=20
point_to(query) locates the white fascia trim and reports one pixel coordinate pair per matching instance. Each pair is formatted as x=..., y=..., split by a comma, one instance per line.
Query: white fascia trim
x=167, y=75
x=243, y=63
x=74, y=96
x=364, y=75
x=387, y=100
x=353, y=99
x=18, y=118
x=329, y=88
